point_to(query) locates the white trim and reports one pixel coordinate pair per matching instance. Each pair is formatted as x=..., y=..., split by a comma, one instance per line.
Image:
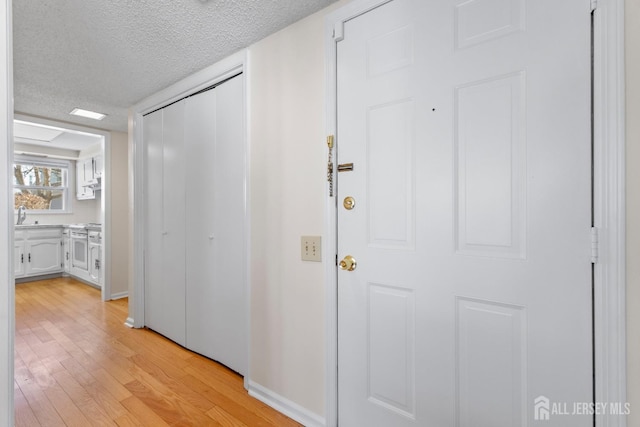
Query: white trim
x=609, y=203
x=7, y=288
x=609, y=208
x=285, y=406
x=236, y=63
x=119, y=295
x=105, y=194
x=247, y=207
x=334, y=20
x=129, y=322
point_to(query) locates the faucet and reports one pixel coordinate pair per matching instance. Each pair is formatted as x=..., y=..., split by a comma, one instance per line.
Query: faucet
x=22, y=214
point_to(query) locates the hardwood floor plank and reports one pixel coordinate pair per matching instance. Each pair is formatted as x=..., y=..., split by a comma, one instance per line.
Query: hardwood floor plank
x=224, y=418
x=117, y=389
x=170, y=406
x=83, y=400
x=69, y=412
x=239, y=395
x=24, y=415
x=240, y=411
x=77, y=364
x=128, y=420
x=142, y=412
x=174, y=384
x=43, y=410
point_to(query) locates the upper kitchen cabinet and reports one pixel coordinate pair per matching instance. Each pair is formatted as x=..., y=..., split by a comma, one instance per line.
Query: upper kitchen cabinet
x=88, y=177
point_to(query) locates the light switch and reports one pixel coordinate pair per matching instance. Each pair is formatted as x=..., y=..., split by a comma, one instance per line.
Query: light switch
x=311, y=248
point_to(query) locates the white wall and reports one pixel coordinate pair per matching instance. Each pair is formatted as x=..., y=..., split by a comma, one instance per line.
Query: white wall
x=632, y=58
x=119, y=184
x=288, y=169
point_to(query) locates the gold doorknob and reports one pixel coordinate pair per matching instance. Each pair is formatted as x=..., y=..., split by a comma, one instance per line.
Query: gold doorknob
x=348, y=263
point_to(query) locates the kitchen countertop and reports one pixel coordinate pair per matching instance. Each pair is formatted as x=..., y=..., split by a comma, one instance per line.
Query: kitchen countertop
x=36, y=226
x=90, y=226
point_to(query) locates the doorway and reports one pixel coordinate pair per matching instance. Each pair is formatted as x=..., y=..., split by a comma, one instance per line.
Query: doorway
x=81, y=205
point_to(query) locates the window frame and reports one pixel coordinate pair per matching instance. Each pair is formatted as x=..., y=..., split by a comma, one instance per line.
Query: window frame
x=65, y=165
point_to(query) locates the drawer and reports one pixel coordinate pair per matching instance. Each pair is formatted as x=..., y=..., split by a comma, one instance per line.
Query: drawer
x=46, y=233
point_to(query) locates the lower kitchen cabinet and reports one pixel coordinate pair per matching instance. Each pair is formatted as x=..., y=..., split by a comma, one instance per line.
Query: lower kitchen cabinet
x=38, y=252
x=19, y=267
x=95, y=262
x=66, y=251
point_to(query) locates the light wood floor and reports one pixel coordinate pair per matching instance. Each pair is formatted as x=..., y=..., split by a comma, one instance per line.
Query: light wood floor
x=76, y=364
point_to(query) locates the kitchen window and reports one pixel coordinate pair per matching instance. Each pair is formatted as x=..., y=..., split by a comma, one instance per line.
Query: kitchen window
x=41, y=185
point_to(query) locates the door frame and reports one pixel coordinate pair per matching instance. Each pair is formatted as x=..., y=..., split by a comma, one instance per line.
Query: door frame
x=220, y=71
x=609, y=204
x=7, y=287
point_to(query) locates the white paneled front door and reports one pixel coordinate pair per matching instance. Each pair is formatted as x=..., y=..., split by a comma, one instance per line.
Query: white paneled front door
x=468, y=126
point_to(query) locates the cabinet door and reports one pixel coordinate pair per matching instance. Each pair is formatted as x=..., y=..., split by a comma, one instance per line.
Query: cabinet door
x=19, y=260
x=43, y=256
x=66, y=254
x=97, y=166
x=84, y=173
x=94, y=263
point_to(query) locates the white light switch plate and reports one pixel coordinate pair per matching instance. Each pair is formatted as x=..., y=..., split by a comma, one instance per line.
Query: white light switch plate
x=311, y=248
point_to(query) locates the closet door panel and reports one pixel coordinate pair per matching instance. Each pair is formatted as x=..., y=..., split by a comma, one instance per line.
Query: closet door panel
x=201, y=232
x=154, y=271
x=230, y=318
x=173, y=245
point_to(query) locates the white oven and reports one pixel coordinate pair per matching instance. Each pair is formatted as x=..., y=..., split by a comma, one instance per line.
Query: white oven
x=79, y=249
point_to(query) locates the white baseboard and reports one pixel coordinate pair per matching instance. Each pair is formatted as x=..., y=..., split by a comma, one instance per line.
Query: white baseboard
x=284, y=405
x=119, y=295
x=129, y=322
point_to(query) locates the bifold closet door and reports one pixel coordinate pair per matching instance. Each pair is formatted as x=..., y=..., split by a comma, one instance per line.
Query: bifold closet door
x=216, y=297
x=165, y=222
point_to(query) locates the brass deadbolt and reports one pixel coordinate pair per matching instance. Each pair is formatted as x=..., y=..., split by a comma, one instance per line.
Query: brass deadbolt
x=349, y=203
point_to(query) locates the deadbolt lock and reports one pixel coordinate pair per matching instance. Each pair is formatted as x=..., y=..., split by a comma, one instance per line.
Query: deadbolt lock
x=349, y=203
x=348, y=263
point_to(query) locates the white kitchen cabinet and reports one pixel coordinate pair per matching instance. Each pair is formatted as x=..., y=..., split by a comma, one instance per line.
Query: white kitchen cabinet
x=84, y=176
x=94, y=264
x=98, y=166
x=39, y=252
x=195, y=288
x=95, y=258
x=44, y=256
x=66, y=250
x=19, y=268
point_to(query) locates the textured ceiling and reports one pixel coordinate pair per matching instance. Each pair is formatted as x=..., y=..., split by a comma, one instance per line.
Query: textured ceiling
x=106, y=55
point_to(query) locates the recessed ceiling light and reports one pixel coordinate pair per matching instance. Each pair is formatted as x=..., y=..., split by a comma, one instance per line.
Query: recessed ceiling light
x=88, y=114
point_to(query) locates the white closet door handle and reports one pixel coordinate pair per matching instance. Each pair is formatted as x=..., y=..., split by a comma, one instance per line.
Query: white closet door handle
x=164, y=233
x=211, y=237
